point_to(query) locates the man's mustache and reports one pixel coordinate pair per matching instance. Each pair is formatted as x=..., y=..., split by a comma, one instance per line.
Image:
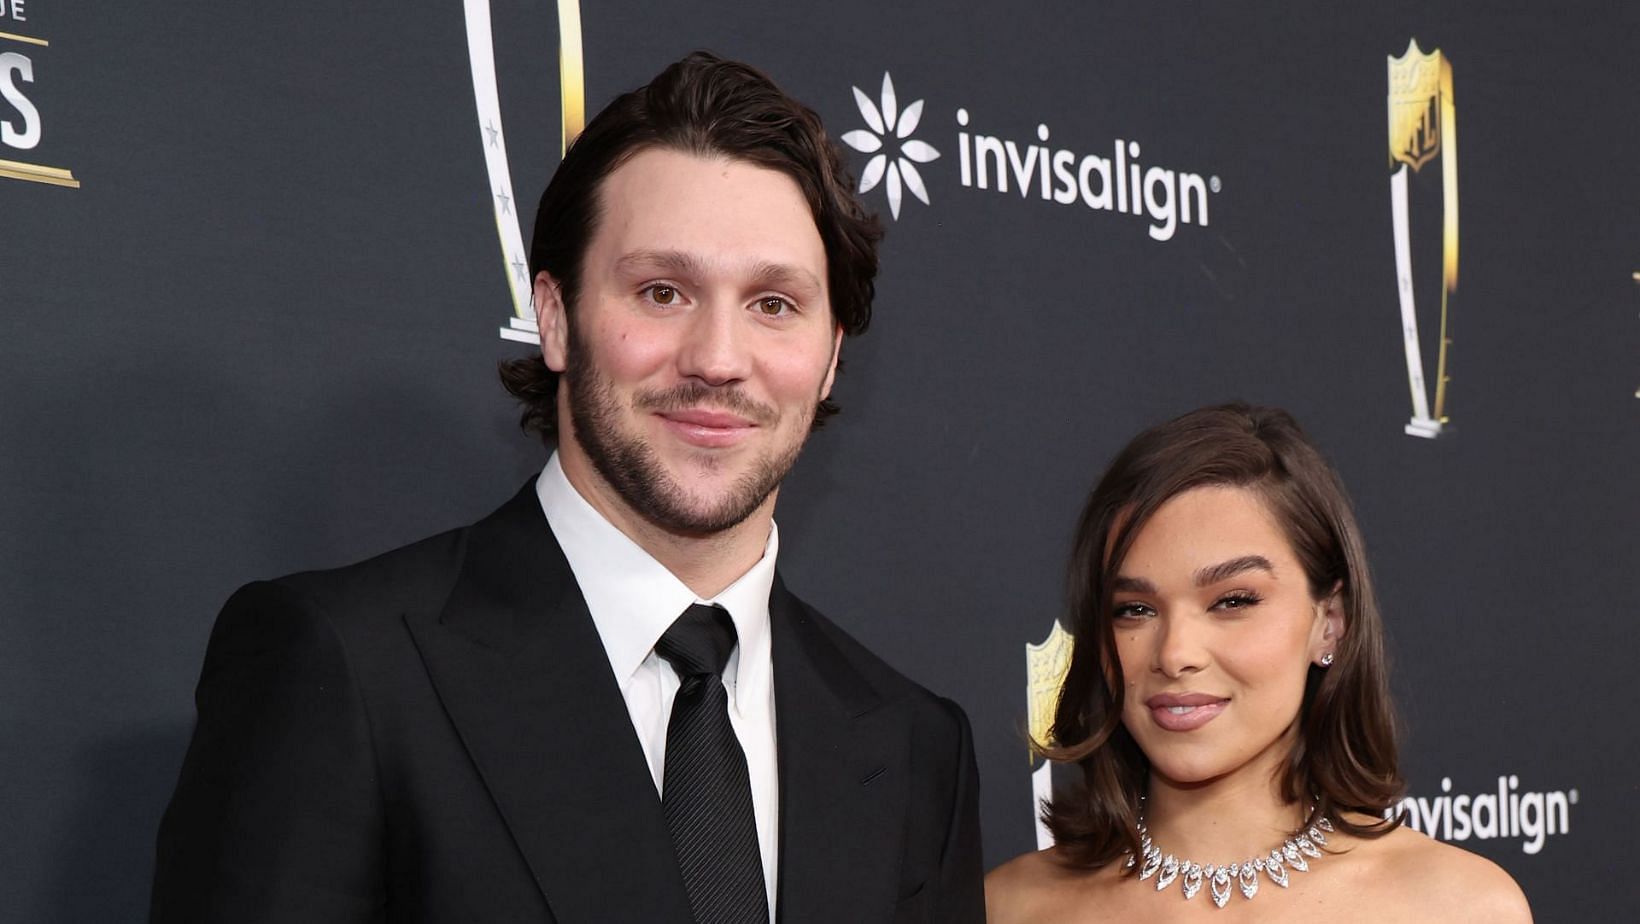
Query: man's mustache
x=693, y=395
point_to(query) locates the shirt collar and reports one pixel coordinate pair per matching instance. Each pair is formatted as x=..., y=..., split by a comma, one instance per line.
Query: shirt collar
x=634, y=599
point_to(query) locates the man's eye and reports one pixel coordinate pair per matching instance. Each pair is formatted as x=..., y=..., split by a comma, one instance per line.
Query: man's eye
x=663, y=295
x=773, y=305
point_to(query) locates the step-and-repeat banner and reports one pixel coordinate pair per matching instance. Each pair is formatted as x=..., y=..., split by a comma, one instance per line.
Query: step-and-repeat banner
x=258, y=263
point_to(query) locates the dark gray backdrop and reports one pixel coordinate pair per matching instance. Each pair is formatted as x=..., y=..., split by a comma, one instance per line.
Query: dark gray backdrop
x=261, y=337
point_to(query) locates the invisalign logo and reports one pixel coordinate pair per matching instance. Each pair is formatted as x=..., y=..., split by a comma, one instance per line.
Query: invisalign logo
x=891, y=125
x=1108, y=177
x=1507, y=812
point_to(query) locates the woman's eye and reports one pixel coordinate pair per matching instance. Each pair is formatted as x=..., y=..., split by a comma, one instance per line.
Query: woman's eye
x=1237, y=601
x=773, y=305
x=1132, y=611
x=663, y=295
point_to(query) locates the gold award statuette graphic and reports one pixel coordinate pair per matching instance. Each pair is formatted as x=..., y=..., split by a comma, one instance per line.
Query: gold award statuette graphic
x=572, y=115
x=21, y=126
x=1045, y=666
x=1423, y=126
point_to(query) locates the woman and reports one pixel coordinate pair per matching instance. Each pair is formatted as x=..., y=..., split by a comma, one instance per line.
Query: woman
x=1226, y=707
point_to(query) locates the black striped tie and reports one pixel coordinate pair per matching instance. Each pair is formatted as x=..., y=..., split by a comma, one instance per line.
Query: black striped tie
x=706, y=793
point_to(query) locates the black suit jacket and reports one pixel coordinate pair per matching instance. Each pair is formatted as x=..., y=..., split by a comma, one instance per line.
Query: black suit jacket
x=434, y=735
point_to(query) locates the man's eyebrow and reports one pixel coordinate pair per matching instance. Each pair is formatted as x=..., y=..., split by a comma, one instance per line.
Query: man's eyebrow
x=1224, y=570
x=687, y=265
x=1132, y=585
x=671, y=261
x=785, y=274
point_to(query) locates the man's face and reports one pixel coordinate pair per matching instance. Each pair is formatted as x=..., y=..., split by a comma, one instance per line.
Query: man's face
x=701, y=340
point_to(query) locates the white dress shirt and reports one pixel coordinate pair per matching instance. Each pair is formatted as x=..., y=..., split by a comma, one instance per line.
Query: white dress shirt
x=633, y=600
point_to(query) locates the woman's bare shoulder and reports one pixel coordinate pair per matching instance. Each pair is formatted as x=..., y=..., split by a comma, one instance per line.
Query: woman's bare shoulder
x=1035, y=887
x=1448, y=883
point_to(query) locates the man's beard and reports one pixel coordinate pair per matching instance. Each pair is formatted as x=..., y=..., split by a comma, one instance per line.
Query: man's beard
x=631, y=467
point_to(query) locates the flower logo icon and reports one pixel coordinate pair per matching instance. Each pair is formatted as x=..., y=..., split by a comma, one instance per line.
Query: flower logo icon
x=891, y=124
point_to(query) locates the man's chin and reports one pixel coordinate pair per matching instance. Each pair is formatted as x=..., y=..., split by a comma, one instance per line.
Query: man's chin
x=704, y=512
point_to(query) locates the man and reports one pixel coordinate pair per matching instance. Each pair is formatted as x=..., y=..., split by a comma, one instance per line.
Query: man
x=600, y=703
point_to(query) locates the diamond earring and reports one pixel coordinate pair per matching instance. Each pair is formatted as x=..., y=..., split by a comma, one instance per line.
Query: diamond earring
x=1327, y=659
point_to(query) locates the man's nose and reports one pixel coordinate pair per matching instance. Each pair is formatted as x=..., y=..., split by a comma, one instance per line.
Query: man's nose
x=716, y=347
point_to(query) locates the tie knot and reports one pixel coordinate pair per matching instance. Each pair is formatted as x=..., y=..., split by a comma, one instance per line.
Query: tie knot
x=699, y=642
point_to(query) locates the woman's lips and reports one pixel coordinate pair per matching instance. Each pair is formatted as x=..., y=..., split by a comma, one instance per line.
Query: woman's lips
x=1182, y=712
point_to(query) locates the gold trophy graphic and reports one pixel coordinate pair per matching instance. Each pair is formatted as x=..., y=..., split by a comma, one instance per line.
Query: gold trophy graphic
x=572, y=118
x=1422, y=127
x=1045, y=666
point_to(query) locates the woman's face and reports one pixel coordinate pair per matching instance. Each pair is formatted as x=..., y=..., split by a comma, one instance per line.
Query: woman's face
x=1215, y=631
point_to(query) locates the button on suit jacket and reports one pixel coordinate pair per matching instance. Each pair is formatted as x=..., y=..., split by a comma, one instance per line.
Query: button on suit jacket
x=435, y=735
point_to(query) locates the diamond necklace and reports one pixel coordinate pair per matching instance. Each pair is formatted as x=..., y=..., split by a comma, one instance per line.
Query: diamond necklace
x=1190, y=874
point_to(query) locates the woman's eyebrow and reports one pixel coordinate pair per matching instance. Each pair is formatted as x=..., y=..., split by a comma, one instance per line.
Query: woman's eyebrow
x=1224, y=570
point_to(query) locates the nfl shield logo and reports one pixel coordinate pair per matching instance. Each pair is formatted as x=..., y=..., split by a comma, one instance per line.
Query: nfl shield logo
x=1415, y=107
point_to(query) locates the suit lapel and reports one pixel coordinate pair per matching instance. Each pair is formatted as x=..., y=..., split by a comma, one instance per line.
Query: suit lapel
x=520, y=668
x=843, y=775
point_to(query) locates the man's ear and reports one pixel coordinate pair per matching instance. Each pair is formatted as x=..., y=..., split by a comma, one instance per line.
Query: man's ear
x=551, y=320
x=831, y=371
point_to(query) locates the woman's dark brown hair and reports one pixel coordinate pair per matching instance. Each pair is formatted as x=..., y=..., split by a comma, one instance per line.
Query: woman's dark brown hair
x=1345, y=756
x=710, y=107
